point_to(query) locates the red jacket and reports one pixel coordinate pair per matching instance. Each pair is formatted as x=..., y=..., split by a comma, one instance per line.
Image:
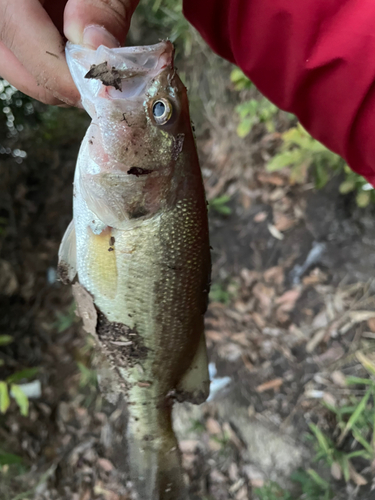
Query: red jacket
x=313, y=58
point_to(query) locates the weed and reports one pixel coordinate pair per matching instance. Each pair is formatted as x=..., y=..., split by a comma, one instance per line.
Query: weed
x=219, y=204
x=65, y=320
x=312, y=485
x=219, y=293
x=88, y=376
x=272, y=491
x=9, y=387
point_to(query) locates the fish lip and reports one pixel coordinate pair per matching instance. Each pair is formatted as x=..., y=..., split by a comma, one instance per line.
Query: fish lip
x=149, y=58
x=123, y=65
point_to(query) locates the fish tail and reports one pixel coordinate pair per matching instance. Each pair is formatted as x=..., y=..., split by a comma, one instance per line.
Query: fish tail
x=154, y=456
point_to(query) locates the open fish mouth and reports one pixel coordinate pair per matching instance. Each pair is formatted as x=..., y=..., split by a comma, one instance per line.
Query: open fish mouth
x=125, y=71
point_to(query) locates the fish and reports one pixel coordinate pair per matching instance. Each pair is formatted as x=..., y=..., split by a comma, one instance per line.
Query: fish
x=137, y=251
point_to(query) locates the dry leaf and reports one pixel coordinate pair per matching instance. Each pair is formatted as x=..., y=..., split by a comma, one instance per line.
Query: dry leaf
x=275, y=179
x=277, y=194
x=260, y=217
x=338, y=378
x=274, y=275
x=336, y=471
x=282, y=222
x=371, y=324
x=232, y=435
x=356, y=477
x=213, y=426
x=105, y=464
x=288, y=299
x=233, y=472
x=275, y=232
x=249, y=277
x=329, y=399
x=359, y=316
x=214, y=336
x=272, y=384
x=316, y=340
x=264, y=295
x=258, y=320
x=188, y=445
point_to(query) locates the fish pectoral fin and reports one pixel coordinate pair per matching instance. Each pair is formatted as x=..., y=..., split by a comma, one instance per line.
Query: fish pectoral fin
x=194, y=385
x=67, y=266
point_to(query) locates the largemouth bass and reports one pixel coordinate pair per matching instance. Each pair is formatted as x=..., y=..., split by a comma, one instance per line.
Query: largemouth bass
x=139, y=245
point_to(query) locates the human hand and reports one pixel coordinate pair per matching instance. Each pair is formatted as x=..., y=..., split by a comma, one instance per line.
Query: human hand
x=32, y=56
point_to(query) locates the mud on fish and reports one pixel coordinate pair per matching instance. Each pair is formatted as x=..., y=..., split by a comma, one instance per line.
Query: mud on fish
x=138, y=248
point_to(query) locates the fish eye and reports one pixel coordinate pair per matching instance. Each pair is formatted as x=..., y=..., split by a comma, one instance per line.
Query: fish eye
x=162, y=111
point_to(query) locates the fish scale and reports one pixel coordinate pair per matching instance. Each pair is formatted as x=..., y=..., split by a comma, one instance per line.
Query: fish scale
x=138, y=247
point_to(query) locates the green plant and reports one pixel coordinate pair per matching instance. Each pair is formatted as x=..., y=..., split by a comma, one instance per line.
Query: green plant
x=312, y=485
x=66, y=319
x=240, y=80
x=10, y=387
x=219, y=293
x=219, y=204
x=365, y=193
x=253, y=111
x=299, y=152
x=272, y=491
x=88, y=376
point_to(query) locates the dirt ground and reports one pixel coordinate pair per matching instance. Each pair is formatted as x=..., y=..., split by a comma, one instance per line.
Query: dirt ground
x=293, y=301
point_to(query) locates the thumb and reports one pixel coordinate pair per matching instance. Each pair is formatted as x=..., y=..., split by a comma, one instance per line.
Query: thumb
x=98, y=22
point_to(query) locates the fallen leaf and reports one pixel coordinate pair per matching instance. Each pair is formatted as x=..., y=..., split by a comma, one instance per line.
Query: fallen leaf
x=371, y=324
x=233, y=472
x=275, y=179
x=359, y=316
x=249, y=277
x=264, y=295
x=356, y=477
x=336, y=471
x=283, y=222
x=316, y=340
x=105, y=464
x=329, y=399
x=188, y=445
x=214, y=336
x=275, y=232
x=288, y=299
x=274, y=275
x=338, y=378
x=213, y=426
x=260, y=217
x=258, y=320
x=277, y=194
x=271, y=384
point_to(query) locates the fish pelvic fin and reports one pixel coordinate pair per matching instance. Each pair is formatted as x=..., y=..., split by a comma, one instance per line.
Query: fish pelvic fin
x=154, y=456
x=67, y=265
x=194, y=385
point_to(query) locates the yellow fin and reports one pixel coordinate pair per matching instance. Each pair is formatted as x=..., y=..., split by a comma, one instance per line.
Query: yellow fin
x=194, y=386
x=101, y=262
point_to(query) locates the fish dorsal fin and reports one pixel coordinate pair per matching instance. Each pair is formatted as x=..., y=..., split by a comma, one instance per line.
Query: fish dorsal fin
x=194, y=386
x=67, y=266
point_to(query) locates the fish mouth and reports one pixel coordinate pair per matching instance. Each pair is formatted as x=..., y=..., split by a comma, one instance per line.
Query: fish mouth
x=125, y=71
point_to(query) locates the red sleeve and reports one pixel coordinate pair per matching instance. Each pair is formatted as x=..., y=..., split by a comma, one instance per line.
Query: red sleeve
x=313, y=58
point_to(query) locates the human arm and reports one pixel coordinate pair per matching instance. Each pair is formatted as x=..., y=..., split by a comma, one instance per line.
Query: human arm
x=313, y=58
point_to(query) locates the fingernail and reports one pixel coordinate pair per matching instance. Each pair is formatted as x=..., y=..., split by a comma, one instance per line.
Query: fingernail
x=95, y=35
